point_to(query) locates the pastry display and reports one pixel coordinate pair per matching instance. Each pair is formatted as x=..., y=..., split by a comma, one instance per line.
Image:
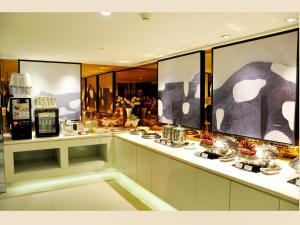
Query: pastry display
x=246, y=147
x=156, y=128
x=207, y=139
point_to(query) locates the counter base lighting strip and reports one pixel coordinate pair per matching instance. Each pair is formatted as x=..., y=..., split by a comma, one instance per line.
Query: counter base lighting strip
x=51, y=184
x=142, y=194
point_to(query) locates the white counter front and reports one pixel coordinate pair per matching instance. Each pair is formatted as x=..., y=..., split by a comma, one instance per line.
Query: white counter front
x=274, y=184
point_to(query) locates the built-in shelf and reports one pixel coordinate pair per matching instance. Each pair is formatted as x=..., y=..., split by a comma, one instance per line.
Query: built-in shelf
x=35, y=165
x=87, y=154
x=38, y=160
x=84, y=160
x=48, y=157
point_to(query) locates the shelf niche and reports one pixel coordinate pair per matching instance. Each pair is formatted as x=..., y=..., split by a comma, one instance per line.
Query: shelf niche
x=87, y=154
x=36, y=160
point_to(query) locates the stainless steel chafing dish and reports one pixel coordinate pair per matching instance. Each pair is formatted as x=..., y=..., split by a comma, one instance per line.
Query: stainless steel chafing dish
x=137, y=131
x=151, y=136
x=178, y=135
x=264, y=157
x=167, y=132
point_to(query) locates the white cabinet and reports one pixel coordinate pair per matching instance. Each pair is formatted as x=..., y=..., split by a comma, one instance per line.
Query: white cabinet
x=213, y=192
x=129, y=160
x=249, y=199
x=288, y=206
x=125, y=157
x=160, y=173
x=143, y=167
x=183, y=186
x=118, y=154
x=188, y=188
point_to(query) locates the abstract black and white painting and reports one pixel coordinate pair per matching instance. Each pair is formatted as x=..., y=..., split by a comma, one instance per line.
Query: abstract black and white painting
x=179, y=90
x=58, y=79
x=255, y=88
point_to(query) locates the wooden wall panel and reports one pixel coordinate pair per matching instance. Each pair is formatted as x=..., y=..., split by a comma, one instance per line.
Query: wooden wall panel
x=93, y=69
x=8, y=66
x=208, y=61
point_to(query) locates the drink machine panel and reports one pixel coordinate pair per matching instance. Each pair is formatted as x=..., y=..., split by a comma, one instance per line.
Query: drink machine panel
x=20, y=118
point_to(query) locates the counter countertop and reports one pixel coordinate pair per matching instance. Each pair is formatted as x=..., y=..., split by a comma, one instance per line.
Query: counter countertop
x=273, y=184
x=9, y=141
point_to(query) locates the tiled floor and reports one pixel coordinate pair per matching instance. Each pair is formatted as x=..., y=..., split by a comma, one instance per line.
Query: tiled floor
x=90, y=197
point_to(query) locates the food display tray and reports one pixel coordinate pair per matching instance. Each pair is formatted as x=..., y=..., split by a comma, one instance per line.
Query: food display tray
x=170, y=144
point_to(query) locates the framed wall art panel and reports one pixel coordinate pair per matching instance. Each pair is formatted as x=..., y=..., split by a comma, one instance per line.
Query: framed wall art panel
x=255, y=88
x=181, y=90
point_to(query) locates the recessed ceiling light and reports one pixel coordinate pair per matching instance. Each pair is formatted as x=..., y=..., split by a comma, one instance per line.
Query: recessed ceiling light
x=225, y=36
x=141, y=78
x=105, y=13
x=291, y=20
x=125, y=61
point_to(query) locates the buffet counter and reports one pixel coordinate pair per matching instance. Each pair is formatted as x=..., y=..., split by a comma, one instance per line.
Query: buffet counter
x=176, y=175
x=275, y=185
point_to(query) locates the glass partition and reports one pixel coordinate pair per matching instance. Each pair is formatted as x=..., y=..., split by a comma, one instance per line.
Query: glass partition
x=91, y=94
x=106, y=93
x=138, y=86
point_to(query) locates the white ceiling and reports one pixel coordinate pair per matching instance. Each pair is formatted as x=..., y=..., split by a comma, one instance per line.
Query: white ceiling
x=124, y=38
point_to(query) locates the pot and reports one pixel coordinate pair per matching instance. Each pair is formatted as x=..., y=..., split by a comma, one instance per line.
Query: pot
x=178, y=135
x=167, y=132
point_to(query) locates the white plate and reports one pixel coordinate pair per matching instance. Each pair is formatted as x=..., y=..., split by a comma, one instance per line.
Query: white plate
x=269, y=172
x=226, y=159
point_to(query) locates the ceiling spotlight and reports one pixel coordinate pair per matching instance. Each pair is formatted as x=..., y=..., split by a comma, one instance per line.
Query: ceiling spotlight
x=105, y=13
x=291, y=20
x=145, y=16
x=225, y=36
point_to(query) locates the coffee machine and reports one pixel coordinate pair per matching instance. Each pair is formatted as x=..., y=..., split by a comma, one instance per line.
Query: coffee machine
x=20, y=109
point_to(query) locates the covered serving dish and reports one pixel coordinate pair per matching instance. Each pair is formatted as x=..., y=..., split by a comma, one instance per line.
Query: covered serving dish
x=167, y=131
x=178, y=135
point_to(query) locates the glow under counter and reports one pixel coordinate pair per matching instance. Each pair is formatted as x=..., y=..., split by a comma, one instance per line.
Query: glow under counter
x=271, y=185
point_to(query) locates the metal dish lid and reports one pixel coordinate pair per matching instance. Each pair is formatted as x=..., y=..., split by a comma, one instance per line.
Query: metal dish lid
x=150, y=136
x=267, y=151
x=137, y=132
x=168, y=126
x=180, y=128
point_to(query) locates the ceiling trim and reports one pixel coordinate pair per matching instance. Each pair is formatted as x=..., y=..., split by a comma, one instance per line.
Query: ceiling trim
x=210, y=46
